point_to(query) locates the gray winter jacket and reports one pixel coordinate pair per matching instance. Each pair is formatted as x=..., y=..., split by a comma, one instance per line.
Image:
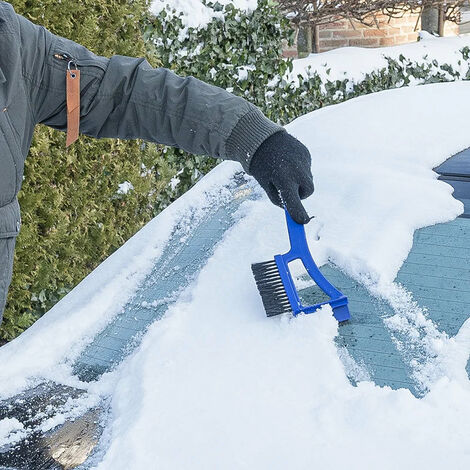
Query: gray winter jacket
x=121, y=97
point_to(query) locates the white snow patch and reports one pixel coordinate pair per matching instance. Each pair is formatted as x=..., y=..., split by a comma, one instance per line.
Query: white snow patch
x=11, y=430
x=125, y=187
x=244, y=71
x=174, y=182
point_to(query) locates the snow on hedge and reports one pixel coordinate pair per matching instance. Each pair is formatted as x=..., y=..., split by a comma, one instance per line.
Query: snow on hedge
x=354, y=63
x=194, y=13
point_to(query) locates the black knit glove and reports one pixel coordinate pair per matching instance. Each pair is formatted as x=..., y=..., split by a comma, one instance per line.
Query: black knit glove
x=281, y=165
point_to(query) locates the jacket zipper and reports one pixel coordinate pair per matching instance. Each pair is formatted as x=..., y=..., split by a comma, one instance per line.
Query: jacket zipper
x=65, y=57
x=72, y=61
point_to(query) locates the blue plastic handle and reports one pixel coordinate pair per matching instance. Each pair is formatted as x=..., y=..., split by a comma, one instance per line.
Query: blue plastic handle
x=299, y=250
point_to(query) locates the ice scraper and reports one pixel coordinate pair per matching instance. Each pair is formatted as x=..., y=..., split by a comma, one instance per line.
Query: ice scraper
x=276, y=286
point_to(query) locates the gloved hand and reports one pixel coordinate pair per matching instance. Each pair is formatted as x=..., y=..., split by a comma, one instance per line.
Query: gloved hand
x=281, y=165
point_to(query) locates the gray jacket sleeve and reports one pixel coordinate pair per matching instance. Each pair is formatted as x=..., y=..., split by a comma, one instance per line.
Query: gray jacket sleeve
x=126, y=98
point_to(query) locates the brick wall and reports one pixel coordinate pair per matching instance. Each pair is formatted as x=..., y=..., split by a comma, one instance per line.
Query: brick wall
x=390, y=32
x=351, y=33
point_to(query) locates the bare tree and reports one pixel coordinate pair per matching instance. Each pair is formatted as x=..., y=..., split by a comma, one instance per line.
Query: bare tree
x=319, y=12
x=442, y=10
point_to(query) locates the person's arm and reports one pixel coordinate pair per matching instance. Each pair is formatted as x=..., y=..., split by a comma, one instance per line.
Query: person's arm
x=126, y=98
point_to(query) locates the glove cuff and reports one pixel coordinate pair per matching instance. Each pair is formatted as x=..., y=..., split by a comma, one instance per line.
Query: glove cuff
x=250, y=132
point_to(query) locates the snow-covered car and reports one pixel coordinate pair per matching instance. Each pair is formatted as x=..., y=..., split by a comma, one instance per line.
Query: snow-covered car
x=163, y=356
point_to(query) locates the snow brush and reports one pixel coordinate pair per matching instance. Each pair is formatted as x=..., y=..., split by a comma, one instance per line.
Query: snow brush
x=276, y=286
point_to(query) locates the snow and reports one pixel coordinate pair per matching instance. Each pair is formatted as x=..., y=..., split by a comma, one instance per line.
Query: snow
x=353, y=63
x=195, y=14
x=174, y=182
x=243, y=72
x=10, y=430
x=124, y=188
x=217, y=385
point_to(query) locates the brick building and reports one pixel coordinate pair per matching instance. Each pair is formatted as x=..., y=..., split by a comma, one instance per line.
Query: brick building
x=390, y=32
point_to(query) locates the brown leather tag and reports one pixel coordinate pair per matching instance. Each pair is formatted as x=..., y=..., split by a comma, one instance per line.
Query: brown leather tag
x=73, y=106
